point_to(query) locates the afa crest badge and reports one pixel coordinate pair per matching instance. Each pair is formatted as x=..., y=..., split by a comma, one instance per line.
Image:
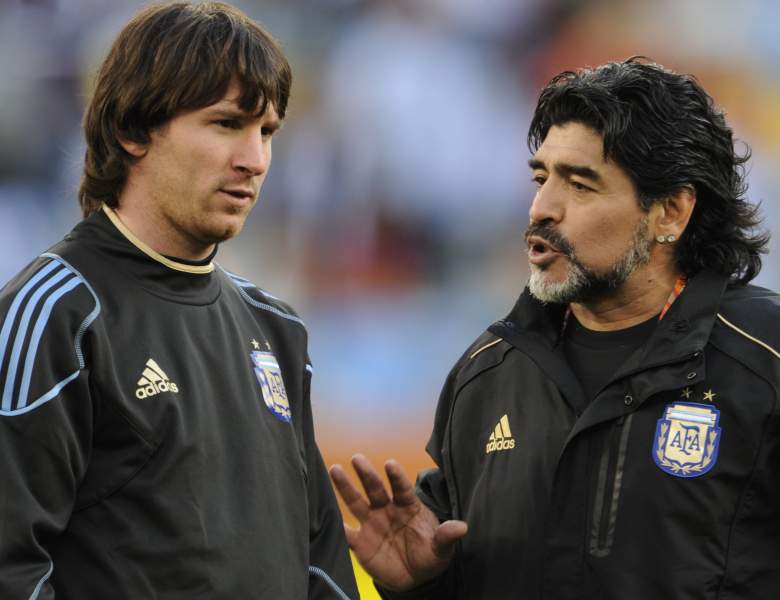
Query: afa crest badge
x=687, y=439
x=269, y=374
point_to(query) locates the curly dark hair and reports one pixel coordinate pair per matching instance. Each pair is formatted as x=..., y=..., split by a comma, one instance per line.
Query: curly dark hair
x=665, y=132
x=171, y=58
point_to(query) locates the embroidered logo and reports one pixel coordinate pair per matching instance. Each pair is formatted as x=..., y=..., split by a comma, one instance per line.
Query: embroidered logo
x=154, y=381
x=501, y=438
x=687, y=439
x=269, y=374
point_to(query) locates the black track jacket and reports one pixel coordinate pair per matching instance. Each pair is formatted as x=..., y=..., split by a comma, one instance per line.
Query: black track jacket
x=666, y=486
x=156, y=437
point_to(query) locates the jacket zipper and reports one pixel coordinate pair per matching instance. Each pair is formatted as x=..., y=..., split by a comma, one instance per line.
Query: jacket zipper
x=610, y=482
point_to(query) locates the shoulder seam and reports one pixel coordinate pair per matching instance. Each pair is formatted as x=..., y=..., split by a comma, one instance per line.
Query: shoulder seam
x=90, y=317
x=764, y=345
x=241, y=285
x=485, y=347
x=243, y=282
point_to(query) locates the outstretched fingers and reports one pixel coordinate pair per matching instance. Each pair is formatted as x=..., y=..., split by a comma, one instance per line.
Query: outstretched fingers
x=372, y=483
x=353, y=499
x=403, y=492
x=400, y=542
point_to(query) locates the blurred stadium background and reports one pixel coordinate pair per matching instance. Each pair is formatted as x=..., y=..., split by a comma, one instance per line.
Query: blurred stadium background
x=392, y=218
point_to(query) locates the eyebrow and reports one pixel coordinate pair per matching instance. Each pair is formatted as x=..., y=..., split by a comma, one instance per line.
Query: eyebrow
x=237, y=113
x=566, y=169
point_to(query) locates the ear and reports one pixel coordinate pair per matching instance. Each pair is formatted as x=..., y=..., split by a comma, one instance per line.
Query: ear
x=673, y=213
x=134, y=149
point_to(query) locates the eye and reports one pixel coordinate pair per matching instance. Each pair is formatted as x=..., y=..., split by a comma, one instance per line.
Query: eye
x=267, y=132
x=228, y=123
x=538, y=180
x=580, y=187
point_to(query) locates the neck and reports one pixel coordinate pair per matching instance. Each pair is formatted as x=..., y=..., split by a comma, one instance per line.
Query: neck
x=137, y=212
x=641, y=297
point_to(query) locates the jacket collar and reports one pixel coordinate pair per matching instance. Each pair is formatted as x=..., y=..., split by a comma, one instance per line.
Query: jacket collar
x=685, y=328
x=687, y=325
x=536, y=329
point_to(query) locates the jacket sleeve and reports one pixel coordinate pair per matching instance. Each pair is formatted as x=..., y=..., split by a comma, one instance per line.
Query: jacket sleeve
x=328, y=552
x=45, y=419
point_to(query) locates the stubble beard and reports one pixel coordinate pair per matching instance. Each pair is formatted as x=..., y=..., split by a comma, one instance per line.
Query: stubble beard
x=581, y=283
x=211, y=228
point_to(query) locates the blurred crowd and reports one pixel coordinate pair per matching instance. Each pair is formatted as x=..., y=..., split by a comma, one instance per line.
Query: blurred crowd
x=392, y=217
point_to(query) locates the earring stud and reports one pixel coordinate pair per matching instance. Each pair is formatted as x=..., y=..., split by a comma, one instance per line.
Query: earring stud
x=664, y=239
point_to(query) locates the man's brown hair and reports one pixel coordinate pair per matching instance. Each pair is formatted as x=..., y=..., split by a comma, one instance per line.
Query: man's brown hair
x=168, y=59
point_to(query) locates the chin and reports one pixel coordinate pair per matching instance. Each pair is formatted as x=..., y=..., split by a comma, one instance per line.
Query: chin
x=547, y=288
x=544, y=276
x=223, y=231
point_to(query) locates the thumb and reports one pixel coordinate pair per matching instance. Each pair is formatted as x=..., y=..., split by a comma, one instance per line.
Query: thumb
x=446, y=536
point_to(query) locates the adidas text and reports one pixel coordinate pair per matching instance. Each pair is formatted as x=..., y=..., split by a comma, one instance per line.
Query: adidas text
x=154, y=381
x=499, y=445
x=155, y=388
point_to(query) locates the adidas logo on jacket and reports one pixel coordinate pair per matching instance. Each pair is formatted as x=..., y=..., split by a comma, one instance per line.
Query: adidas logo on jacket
x=154, y=381
x=501, y=438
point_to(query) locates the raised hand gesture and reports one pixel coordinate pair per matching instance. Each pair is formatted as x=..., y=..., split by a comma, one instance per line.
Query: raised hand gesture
x=400, y=542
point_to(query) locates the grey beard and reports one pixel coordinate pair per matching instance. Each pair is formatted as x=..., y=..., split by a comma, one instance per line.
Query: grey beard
x=583, y=284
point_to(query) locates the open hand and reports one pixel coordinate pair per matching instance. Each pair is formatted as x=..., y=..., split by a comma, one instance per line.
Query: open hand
x=400, y=542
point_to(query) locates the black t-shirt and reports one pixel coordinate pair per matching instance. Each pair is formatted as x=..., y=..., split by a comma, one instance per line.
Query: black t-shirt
x=595, y=356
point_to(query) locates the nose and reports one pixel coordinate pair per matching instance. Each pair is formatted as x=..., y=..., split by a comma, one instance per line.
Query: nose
x=547, y=204
x=252, y=155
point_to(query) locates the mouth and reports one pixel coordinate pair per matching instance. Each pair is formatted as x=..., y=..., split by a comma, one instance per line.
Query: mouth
x=238, y=200
x=239, y=193
x=540, y=251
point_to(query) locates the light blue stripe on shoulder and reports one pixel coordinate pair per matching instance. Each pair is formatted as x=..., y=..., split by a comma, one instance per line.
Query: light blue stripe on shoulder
x=5, y=333
x=21, y=333
x=237, y=279
x=267, y=294
x=242, y=284
x=234, y=275
x=76, y=279
x=245, y=283
x=269, y=308
x=40, y=325
x=90, y=317
x=51, y=394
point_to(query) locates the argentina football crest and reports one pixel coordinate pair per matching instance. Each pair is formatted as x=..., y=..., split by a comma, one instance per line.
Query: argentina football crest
x=269, y=374
x=687, y=439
